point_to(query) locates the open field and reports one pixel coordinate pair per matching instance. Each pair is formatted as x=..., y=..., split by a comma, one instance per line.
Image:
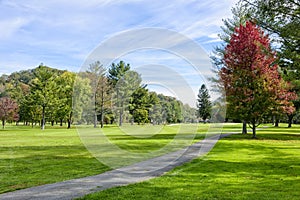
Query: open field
x=237, y=168
x=30, y=156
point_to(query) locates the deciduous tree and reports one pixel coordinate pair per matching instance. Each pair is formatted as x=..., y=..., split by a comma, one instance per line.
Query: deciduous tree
x=253, y=85
x=43, y=88
x=8, y=110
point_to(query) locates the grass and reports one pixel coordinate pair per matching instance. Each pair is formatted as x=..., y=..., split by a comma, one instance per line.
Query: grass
x=117, y=147
x=31, y=157
x=237, y=168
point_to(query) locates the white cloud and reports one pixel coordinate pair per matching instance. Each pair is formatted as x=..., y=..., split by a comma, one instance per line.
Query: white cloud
x=65, y=31
x=11, y=26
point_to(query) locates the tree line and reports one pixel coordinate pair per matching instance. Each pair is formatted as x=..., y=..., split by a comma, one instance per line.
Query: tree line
x=96, y=96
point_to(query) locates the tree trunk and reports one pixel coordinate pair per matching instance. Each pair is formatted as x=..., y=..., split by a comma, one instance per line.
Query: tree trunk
x=121, y=114
x=70, y=120
x=69, y=123
x=253, y=130
x=290, y=117
x=95, y=119
x=61, y=122
x=3, y=123
x=244, y=131
x=102, y=119
x=121, y=117
x=102, y=107
x=52, y=123
x=43, y=118
x=276, y=122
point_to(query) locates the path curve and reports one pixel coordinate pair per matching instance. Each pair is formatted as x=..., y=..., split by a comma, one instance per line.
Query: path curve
x=137, y=172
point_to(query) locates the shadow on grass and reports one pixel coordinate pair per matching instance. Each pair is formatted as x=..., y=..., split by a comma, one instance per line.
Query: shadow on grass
x=237, y=168
x=157, y=137
x=264, y=136
x=29, y=166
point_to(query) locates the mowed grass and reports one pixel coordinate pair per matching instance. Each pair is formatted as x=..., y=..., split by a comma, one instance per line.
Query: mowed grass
x=31, y=157
x=238, y=167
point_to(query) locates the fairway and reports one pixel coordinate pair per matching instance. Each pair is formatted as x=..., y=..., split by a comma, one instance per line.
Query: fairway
x=31, y=157
x=237, y=168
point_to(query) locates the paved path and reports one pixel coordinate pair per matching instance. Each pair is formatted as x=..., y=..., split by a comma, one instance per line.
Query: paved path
x=123, y=176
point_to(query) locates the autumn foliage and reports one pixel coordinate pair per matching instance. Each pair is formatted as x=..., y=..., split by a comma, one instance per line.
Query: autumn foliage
x=8, y=110
x=254, y=88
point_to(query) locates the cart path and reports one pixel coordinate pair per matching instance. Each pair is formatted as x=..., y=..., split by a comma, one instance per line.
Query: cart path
x=137, y=172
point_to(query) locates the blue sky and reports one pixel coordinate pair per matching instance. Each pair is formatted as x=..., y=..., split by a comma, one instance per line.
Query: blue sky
x=63, y=33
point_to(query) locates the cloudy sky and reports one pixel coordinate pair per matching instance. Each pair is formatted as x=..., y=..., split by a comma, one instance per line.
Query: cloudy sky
x=63, y=33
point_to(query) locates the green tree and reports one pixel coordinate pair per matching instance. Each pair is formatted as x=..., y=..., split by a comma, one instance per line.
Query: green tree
x=189, y=114
x=124, y=89
x=65, y=92
x=156, y=110
x=139, y=105
x=43, y=88
x=81, y=99
x=101, y=91
x=203, y=103
x=117, y=71
x=124, y=82
x=171, y=109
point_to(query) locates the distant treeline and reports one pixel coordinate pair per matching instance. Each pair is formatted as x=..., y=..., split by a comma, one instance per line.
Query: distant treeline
x=95, y=96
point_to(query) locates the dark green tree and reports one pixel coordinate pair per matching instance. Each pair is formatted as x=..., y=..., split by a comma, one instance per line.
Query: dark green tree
x=117, y=71
x=203, y=103
x=124, y=90
x=124, y=82
x=139, y=105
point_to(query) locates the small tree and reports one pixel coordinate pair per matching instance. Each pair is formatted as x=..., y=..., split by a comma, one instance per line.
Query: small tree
x=204, y=105
x=8, y=110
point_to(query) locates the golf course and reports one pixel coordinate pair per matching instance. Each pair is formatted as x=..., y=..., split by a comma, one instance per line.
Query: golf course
x=238, y=167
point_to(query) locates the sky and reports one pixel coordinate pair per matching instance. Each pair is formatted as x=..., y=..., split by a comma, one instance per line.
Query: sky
x=64, y=34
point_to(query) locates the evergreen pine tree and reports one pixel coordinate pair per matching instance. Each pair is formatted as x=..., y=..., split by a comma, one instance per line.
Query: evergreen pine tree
x=203, y=103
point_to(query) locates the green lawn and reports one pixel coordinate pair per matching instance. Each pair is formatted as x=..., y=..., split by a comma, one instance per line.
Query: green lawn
x=31, y=157
x=237, y=168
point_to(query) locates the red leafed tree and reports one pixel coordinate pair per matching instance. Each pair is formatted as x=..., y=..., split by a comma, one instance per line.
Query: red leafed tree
x=8, y=110
x=254, y=88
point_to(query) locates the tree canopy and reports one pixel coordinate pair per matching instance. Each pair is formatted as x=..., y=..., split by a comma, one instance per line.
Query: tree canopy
x=254, y=88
